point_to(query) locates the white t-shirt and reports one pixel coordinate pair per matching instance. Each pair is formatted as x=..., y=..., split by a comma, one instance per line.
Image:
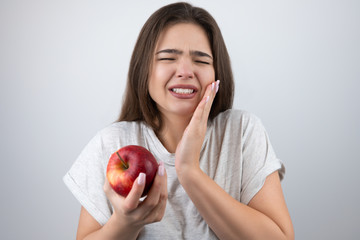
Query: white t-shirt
x=236, y=154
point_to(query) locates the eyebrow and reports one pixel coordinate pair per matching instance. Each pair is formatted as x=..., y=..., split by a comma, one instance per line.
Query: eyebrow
x=179, y=52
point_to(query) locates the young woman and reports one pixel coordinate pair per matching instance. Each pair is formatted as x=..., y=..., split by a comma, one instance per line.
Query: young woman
x=218, y=176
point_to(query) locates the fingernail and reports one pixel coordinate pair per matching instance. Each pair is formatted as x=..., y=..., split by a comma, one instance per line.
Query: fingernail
x=207, y=99
x=161, y=169
x=217, y=85
x=141, y=178
x=212, y=86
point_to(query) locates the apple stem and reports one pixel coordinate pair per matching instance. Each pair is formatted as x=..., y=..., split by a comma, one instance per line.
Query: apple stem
x=122, y=161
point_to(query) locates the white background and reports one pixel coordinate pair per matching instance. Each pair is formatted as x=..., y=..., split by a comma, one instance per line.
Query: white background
x=63, y=68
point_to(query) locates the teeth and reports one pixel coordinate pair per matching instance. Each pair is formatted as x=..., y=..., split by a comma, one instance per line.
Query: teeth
x=182, y=90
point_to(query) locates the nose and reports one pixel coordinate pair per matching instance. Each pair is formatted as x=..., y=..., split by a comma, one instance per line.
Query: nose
x=185, y=69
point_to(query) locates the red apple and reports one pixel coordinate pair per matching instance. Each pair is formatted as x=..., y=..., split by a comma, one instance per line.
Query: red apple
x=126, y=164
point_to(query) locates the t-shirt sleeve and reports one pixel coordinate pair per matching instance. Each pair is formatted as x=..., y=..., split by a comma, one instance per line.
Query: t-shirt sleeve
x=85, y=180
x=259, y=159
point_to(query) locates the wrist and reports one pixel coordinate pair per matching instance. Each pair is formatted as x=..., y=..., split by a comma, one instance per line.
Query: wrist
x=121, y=228
x=188, y=174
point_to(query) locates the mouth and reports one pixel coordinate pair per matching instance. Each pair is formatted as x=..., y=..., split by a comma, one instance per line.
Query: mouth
x=183, y=91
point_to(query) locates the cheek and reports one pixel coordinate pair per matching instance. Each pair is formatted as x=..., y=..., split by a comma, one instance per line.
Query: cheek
x=209, y=74
x=152, y=85
x=160, y=75
x=207, y=78
x=165, y=73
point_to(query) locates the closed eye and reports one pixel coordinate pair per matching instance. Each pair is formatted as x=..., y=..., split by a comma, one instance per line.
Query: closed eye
x=169, y=59
x=202, y=62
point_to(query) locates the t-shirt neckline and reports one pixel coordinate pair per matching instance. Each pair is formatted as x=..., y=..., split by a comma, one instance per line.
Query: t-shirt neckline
x=157, y=148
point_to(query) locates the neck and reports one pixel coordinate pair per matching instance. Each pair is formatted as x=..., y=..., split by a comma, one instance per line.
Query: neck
x=172, y=131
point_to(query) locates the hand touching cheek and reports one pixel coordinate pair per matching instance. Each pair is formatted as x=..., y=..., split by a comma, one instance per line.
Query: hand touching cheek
x=187, y=153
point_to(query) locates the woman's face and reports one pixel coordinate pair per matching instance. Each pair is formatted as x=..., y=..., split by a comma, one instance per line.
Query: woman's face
x=182, y=68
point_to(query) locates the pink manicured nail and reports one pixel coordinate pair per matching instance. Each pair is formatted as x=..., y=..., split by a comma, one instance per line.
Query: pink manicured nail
x=212, y=86
x=141, y=178
x=161, y=170
x=207, y=99
x=217, y=85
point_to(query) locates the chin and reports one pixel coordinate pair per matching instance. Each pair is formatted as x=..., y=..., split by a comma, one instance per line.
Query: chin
x=180, y=109
x=186, y=112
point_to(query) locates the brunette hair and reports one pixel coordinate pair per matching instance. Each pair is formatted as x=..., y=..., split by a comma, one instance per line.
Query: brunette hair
x=137, y=103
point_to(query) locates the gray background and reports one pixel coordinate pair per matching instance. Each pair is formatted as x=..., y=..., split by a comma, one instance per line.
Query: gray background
x=63, y=67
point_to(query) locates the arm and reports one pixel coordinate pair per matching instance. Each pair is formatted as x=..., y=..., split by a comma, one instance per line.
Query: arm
x=89, y=228
x=266, y=216
x=130, y=215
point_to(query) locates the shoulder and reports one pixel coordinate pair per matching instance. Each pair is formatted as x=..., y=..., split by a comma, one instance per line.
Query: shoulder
x=120, y=133
x=237, y=118
x=236, y=114
x=120, y=128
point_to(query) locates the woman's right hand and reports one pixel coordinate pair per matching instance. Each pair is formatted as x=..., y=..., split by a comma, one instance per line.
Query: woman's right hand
x=132, y=212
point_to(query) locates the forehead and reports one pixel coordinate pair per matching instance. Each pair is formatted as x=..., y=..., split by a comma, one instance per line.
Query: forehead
x=184, y=36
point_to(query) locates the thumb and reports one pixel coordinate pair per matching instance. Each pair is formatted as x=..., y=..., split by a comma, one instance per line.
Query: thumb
x=132, y=199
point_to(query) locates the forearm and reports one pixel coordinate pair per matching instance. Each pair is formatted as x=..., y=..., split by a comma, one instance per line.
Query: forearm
x=113, y=229
x=227, y=217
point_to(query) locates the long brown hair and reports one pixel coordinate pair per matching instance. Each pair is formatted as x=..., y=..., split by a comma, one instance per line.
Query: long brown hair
x=137, y=103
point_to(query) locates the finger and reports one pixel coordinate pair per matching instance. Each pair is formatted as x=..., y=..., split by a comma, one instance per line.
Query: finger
x=200, y=108
x=208, y=104
x=157, y=212
x=202, y=111
x=108, y=189
x=156, y=190
x=106, y=186
x=132, y=199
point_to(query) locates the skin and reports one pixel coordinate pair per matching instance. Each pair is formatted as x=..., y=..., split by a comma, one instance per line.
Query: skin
x=182, y=57
x=185, y=123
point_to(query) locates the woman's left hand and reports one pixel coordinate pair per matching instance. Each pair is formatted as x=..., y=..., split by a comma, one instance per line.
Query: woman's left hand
x=187, y=153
